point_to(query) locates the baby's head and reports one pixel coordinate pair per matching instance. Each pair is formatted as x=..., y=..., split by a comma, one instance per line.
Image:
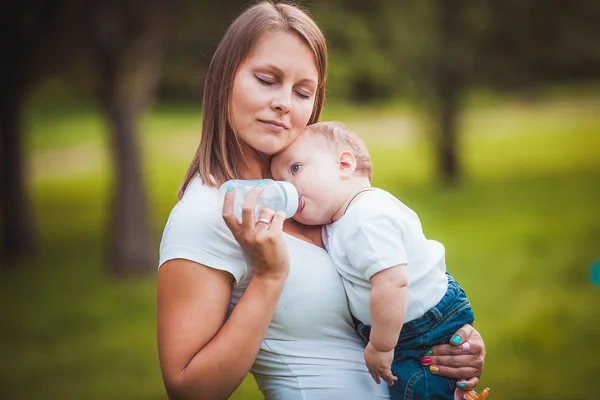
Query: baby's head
x=326, y=163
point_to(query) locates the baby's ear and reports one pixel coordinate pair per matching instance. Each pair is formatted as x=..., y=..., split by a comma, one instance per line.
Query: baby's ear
x=346, y=163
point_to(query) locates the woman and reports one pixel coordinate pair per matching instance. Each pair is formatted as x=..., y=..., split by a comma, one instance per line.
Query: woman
x=264, y=297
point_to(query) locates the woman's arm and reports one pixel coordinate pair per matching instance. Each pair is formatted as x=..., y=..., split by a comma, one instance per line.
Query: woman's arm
x=457, y=360
x=201, y=354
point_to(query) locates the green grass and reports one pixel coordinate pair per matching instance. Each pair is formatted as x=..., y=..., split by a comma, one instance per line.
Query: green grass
x=521, y=233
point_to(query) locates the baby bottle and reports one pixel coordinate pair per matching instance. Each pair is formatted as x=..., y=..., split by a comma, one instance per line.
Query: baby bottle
x=276, y=195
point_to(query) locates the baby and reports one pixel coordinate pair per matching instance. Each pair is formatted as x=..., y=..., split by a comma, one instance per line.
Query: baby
x=399, y=293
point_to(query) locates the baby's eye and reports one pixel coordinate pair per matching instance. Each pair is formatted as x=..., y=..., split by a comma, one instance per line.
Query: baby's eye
x=295, y=168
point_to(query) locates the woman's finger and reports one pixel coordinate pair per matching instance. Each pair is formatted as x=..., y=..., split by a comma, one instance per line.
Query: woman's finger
x=277, y=221
x=446, y=350
x=467, y=384
x=473, y=346
x=248, y=210
x=265, y=216
x=454, y=373
x=461, y=335
x=231, y=220
x=457, y=361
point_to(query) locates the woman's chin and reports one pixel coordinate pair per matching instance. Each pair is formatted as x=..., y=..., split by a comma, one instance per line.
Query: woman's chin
x=272, y=144
x=270, y=149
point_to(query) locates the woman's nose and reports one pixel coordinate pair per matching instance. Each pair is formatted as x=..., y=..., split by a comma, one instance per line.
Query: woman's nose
x=282, y=102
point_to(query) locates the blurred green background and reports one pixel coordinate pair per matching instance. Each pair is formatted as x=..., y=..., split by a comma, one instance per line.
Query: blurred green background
x=483, y=117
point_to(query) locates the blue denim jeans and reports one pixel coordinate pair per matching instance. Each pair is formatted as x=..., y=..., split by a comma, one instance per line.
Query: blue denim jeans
x=437, y=326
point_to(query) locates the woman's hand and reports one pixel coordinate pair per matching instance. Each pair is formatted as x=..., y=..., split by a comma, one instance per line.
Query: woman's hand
x=262, y=240
x=462, y=359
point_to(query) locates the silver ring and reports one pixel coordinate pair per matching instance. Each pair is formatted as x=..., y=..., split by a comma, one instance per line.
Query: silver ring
x=264, y=220
x=466, y=348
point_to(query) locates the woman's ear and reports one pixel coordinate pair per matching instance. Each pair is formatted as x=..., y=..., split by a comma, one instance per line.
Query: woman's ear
x=346, y=163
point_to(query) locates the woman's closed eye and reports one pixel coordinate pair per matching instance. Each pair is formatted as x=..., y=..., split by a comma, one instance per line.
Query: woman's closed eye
x=264, y=80
x=295, y=168
x=303, y=95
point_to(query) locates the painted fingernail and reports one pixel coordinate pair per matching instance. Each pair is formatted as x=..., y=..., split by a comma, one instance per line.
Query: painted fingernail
x=456, y=339
x=428, y=352
x=462, y=385
x=230, y=188
x=425, y=360
x=260, y=184
x=433, y=368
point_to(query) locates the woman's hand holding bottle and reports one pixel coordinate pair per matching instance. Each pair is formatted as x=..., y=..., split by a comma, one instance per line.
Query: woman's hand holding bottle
x=261, y=238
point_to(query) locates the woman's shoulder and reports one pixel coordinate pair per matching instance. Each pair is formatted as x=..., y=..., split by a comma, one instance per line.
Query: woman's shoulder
x=195, y=230
x=199, y=192
x=199, y=202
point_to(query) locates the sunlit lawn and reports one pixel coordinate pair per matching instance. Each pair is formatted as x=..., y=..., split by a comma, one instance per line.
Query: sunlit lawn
x=521, y=233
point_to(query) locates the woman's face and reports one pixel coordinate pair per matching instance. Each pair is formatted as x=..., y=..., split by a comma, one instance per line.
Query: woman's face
x=273, y=93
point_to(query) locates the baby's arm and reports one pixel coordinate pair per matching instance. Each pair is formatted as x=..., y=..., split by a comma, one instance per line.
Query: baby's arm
x=388, y=310
x=388, y=306
x=373, y=246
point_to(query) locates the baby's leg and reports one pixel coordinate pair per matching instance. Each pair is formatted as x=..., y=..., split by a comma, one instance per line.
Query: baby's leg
x=415, y=381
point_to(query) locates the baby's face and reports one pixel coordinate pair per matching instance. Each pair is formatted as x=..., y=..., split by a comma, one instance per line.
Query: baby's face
x=312, y=167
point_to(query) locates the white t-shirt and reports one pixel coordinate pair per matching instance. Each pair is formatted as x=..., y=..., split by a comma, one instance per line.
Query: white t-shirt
x=311, y=350
x=377, y=232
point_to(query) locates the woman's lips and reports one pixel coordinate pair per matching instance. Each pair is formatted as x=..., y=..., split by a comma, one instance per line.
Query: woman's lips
x=273, y=125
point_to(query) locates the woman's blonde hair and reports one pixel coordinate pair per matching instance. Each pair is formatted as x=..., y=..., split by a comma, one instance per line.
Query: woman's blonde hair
x=219, y=148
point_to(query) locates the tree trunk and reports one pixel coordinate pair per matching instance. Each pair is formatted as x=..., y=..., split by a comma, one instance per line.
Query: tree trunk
x=18, y=235
x=449, y=83
x=129, y=69
x=131, y=250
x=448, y=164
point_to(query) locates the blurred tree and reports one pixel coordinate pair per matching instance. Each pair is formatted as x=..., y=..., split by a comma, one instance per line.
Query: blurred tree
x=433, y=44
x=125, y=40
x=360, y=70
x=127, y=45
x=528, y=44
x=193, y=38
x=27, y=27
x=434, y=49
x=447, y=48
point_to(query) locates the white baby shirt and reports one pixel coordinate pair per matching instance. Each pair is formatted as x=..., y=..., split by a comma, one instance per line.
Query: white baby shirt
x=377, y=232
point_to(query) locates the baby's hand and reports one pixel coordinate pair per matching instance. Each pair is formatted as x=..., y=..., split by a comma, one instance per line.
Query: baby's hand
x=379, y=364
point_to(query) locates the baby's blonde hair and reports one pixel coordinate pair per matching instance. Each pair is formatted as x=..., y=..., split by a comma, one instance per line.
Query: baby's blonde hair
x=340, y=138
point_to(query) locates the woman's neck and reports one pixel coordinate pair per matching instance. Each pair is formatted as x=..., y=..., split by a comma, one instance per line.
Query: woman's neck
x=253, y=165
